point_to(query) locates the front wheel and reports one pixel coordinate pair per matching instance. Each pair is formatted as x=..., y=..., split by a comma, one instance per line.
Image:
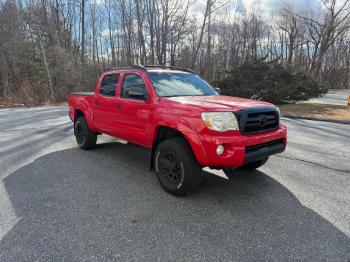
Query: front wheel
x=176, y=167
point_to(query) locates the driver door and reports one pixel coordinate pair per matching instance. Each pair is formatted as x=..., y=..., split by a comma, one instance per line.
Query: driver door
x=134, y=109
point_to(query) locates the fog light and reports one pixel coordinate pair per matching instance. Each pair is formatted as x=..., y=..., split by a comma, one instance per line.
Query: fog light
x=220, y=149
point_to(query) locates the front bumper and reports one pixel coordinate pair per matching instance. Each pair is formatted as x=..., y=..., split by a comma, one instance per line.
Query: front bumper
x=261, y=151
x=240, y=149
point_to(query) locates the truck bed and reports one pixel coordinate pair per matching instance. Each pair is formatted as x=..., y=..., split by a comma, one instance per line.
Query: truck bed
x=83, y=99
x=82, y=93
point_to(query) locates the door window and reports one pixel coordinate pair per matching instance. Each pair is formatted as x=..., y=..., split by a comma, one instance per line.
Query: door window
x=133, y=87
x=109, y=85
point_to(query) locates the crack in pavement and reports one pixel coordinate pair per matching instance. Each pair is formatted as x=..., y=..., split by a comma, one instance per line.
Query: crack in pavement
x=315, y=164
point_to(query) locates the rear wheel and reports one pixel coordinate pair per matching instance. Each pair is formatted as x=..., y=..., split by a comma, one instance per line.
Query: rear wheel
x=230, y=171
x=86, y=139
x=255, y=164
x=176, y=167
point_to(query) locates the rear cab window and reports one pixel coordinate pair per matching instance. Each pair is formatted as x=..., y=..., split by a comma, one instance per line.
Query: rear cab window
x=109, y=85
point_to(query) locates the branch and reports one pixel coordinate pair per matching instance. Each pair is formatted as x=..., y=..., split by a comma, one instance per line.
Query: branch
x=304, y=17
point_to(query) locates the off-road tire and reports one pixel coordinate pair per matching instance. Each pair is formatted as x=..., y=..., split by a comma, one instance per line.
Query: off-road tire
x=179, y=152
x=86, y=139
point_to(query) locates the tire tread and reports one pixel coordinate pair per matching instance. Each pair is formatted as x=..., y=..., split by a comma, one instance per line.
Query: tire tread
x=192, y=168
x=90, y=137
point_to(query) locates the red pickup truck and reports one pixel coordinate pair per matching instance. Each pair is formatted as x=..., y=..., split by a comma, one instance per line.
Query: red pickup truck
x=186, y=123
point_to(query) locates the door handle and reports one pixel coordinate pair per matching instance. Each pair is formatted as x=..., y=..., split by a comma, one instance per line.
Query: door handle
x=119, y=106
x=96, y=103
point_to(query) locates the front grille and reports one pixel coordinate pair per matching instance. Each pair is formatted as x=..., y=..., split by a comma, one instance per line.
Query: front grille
x=256, y=120
x=264, y=145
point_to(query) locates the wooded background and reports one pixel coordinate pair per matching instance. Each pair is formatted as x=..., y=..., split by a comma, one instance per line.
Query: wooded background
x=51, y=47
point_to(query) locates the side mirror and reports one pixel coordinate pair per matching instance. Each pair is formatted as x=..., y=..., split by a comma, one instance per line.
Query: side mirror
x=217, y=90
x=137, y=94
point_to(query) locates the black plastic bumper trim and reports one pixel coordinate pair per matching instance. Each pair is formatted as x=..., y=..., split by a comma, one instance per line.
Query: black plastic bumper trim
x=259, y=152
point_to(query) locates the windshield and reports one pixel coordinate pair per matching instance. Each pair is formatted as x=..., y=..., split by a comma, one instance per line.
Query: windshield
x=180, y=84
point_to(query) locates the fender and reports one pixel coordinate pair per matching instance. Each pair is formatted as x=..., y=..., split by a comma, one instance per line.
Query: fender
x=185, y=128
x=84, y=106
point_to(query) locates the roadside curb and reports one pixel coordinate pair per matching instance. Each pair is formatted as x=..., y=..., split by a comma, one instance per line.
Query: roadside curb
x=317, y=119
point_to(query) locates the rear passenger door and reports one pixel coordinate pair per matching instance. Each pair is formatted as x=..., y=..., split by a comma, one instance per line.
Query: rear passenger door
x=104, y=104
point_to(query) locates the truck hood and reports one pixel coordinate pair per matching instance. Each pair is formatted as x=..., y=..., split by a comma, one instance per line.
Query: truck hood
x=215, y=103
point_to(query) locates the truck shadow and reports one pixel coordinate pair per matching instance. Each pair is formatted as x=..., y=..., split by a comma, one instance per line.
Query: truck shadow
x=105, y=204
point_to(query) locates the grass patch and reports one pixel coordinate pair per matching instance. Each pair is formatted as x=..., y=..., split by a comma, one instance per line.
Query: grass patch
x=316, y=111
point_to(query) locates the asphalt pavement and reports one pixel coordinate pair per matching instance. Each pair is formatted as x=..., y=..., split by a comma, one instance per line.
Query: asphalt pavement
x=333, y=97
x=59, y=203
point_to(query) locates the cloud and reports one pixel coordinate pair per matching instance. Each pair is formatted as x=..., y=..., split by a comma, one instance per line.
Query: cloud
x=96, y=2
x=239, y=6
x=305, y=5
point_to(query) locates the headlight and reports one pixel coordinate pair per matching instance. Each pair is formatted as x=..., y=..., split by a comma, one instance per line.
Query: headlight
x=220, y=121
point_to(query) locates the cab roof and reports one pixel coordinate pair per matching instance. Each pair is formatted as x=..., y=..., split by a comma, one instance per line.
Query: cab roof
x=152, y=68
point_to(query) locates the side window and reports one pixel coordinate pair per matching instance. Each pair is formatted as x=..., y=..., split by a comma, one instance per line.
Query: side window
x=109, y=85
x=133, y=87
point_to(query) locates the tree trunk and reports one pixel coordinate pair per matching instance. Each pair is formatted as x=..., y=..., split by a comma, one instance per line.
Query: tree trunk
x=83, y=35
x=194, y=60
x=46, y=68
x=209, y=67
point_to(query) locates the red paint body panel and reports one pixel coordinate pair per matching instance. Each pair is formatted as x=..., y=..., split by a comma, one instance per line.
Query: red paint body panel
x=138, y=121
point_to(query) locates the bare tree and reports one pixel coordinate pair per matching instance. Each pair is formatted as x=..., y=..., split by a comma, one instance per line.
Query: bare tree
x=50, y=47
x=322, y=32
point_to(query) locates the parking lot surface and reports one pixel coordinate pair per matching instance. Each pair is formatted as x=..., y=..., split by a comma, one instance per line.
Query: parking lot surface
x=59, y=203
x=333, y=97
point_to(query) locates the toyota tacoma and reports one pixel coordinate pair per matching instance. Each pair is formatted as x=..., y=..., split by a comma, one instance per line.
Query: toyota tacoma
x=186, y=123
